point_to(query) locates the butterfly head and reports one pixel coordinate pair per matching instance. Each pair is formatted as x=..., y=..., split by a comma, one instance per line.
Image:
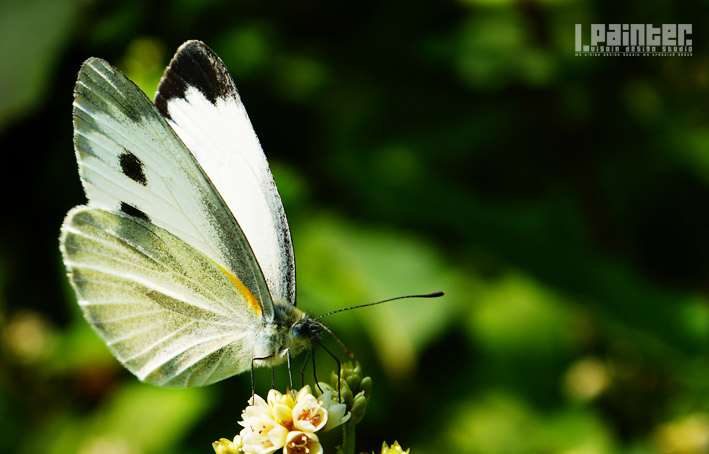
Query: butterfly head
x=306, y=329
x=293, y=331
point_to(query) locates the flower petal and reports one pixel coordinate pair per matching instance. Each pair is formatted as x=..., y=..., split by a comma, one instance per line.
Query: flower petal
x=257, y=401
x=276, y=398
x=283, y=415
x=304, y=391
x=335, y=411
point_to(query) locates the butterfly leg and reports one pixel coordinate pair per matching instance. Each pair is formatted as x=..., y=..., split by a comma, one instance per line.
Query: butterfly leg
x=253, y=385
x=302, y=369
x=339, y=371
x=290, y=373
x=315, y=375
x=253, y=389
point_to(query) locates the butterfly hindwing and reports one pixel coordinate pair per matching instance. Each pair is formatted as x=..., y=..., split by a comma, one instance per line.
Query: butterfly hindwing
x=170, y=314
x=199, y=100
x=130, y=160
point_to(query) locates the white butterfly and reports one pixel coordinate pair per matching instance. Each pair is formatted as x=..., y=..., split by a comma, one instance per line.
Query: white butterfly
x=182, y=293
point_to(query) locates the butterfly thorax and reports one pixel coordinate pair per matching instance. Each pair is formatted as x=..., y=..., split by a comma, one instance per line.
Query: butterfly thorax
x=290, y=331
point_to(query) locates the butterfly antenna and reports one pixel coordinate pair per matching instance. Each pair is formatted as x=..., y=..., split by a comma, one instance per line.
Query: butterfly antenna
x=347, y=351
x=428, y=295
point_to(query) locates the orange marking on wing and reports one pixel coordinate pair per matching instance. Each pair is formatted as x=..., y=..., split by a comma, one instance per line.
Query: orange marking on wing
x=250, y=298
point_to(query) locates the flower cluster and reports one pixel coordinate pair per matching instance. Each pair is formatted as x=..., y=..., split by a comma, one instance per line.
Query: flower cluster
x=288, y=421
x=393, y=449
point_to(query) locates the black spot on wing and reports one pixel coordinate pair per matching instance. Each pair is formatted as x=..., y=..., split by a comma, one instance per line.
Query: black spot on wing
x=132, y=167
x=194, y=65
x=133, y=211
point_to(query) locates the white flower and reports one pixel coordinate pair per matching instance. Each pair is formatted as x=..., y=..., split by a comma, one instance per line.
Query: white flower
x=281, y=407
x=302, y=443
x=308, y=414
x=335, y=411
x=261, y=434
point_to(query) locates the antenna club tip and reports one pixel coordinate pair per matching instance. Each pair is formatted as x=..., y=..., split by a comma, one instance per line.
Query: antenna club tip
x=437, y=294
x=350, y=355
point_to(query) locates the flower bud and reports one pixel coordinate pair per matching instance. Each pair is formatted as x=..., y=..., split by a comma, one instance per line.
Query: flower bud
x=359, y=406
x=393, y=449
x=226, y=446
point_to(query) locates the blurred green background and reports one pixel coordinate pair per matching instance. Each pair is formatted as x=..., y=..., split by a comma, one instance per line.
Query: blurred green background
x=561, y=202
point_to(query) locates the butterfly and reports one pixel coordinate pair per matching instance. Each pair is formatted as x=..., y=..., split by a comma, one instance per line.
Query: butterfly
x=182, y=259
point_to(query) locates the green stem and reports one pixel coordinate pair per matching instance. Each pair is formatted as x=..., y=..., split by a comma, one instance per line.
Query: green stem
x=348, y=438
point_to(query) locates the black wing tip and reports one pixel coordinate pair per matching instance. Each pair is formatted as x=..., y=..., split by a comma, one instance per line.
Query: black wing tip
x=194, y=65
x=193, y=45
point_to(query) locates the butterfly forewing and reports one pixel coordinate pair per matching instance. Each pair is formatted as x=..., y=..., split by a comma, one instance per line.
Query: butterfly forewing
x=130, y=160
x=169, y=313
x=198, y=98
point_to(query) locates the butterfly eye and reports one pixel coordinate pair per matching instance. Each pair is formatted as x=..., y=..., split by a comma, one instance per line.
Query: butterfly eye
x=301, y=331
